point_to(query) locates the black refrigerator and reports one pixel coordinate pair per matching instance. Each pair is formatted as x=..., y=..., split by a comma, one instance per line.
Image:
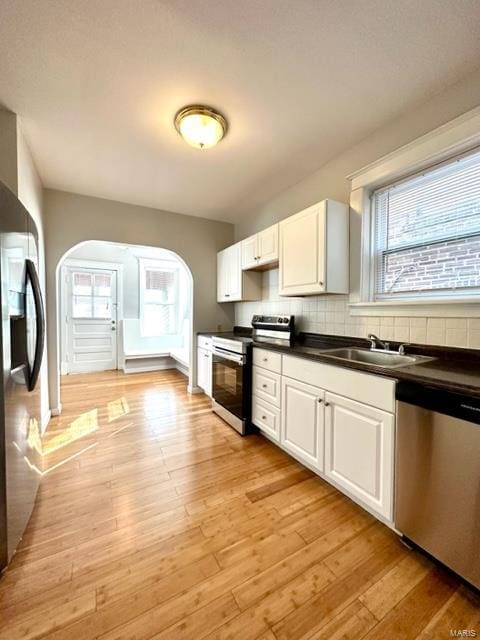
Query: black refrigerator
x=22, y=339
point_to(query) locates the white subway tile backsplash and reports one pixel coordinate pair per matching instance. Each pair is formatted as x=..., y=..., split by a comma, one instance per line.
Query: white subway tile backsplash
x=331, y=314
x=456, y=337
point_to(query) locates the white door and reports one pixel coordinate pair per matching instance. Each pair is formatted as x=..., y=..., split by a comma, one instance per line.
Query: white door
x=91, y=335
x=359, y=451
x=302, y=421
x=302, y=252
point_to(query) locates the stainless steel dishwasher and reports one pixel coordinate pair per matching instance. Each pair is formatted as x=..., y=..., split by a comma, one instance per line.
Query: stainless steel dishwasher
x=437, y=476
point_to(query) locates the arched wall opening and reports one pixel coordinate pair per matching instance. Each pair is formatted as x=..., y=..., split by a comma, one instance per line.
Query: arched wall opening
x=127, y=260
x=71, y=219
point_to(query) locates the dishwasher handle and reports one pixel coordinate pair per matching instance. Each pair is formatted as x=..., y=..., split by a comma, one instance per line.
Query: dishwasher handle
x=450, y=403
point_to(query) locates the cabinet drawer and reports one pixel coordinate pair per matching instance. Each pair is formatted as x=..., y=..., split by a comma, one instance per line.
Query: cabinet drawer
x=267, y=360
x=266, y=417
x=266, y=385
x=205, y=342
x=370, y=389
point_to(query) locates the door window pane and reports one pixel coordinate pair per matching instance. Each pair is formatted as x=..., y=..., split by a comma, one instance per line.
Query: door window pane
x=103, y=284
x=82, y=284
x=102, y=308
x=82, y=307
x=91, y=295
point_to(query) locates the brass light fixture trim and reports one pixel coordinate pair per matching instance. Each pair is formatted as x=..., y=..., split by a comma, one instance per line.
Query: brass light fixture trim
x=204, y=114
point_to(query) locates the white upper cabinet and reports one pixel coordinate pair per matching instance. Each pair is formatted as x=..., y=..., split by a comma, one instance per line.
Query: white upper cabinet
x=232, y=284
x=260, y=249
x=314, y=250
x=249, y=252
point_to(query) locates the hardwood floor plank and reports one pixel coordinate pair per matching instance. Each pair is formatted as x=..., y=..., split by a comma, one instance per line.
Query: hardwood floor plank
x=156, y=520
x=413, y=613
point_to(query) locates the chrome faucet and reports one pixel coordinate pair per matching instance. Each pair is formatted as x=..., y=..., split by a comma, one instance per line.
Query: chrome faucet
x=376, y=343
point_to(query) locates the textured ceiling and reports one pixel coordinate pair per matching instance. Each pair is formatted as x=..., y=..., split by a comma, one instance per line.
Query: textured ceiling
x=97, y=83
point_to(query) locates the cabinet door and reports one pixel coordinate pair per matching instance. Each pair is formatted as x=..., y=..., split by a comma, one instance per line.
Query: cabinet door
x=202, y=381
x=250, y=254
x=222, y=275
x=267, y=243
x=234, y=273
x=359, y=451
x=302, y=421
x=208, y=373
x=302, y=252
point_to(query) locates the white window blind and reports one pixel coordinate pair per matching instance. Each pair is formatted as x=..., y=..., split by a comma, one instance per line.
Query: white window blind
x=159, y=299
x=427, y=233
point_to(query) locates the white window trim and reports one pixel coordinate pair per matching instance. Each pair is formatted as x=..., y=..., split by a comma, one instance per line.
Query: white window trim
x=145, y=263
x=456, y=137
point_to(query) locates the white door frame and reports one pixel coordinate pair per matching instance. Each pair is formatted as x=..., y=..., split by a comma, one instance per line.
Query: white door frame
x=89, y=264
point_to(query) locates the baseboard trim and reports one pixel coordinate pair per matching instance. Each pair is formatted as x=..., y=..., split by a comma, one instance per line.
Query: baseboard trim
x=152, y=367
x=45, y=420
x=182, y=368
x=194, y=390
x=56, y=411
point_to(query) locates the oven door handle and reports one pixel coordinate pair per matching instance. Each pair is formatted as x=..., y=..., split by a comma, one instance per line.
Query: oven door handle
x=226, y=355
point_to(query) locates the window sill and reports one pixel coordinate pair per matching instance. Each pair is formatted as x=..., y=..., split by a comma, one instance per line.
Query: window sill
x=439, y=307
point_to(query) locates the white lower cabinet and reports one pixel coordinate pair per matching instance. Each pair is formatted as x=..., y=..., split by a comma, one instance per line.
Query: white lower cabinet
x=302, y=421
x=302, y=405
x=204, y=370
x=359, y=451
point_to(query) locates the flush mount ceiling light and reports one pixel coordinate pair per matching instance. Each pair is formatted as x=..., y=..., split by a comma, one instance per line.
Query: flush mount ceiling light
x=200, y=126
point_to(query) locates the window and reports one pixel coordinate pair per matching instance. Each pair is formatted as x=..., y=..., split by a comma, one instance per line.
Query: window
x=158, y=297
x=426, y=233
x=91, y=295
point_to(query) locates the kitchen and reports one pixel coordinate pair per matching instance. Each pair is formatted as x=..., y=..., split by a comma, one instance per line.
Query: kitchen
x=311, y=468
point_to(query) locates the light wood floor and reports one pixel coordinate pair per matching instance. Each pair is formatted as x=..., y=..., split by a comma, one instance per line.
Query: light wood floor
x=156, y=520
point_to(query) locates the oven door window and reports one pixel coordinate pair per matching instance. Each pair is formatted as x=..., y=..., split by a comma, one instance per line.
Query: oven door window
x=228, y=385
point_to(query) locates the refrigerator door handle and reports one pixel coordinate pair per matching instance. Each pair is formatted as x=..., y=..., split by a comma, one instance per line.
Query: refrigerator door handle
x=34, y=372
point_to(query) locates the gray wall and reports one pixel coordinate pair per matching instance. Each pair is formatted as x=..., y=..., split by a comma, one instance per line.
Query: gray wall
x=8, y=149
x=330, y=180
x=72, y=218
x=331, y=314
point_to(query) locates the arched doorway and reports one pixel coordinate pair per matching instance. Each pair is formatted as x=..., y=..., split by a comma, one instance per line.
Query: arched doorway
x=123, y=306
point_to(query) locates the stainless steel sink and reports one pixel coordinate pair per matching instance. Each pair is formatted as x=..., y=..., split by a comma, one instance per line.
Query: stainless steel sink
x=379, y=358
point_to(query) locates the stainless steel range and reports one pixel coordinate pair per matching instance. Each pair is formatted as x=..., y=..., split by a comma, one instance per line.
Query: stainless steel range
x=232, y=368
x=274, y=329
x=232, y=380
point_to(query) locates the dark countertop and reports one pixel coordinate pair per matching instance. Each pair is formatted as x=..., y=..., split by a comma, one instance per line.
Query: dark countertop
x=452, y=369
x=456, y=370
